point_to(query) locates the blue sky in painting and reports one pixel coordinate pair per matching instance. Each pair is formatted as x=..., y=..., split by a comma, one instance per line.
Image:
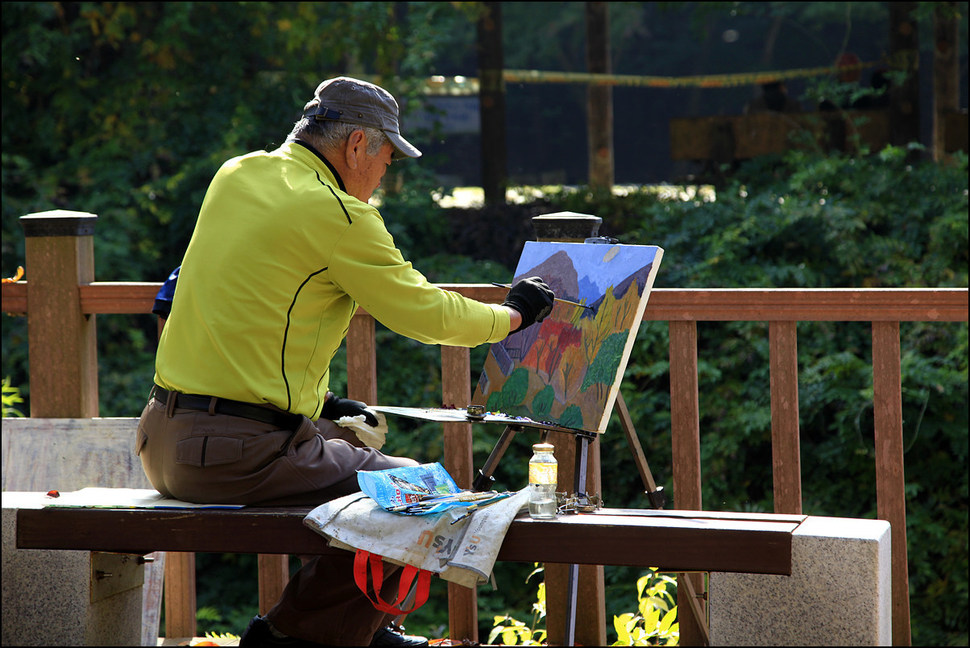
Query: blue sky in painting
x=595, y=275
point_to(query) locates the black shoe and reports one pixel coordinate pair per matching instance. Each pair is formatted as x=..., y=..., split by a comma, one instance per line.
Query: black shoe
x=259, y=633
x=393, y=635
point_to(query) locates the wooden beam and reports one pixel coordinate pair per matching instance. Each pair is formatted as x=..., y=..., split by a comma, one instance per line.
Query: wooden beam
x=666, y=304
x=815, y=305
x=756, y=543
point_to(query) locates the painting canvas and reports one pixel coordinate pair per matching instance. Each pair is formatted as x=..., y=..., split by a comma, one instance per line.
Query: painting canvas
x=567, y=369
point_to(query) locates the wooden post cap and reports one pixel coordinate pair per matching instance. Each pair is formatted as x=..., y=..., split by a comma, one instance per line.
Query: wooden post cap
x=58, y=222
x=566, y=226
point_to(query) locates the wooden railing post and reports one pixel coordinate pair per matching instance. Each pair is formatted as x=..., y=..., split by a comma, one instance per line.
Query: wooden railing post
x=686, y=461
x=890, y=477
x=456, y=392
x=62, y=340
x=785, y=456
x=362, y=359
x=180, y=599
x=274, y=573
x=179, y=588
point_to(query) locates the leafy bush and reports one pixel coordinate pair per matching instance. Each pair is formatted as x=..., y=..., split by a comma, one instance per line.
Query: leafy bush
x=513, y=632
x=11, y=397
x=655, y=621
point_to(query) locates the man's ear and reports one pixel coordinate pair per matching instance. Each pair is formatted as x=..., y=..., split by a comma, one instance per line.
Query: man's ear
x=356, y=145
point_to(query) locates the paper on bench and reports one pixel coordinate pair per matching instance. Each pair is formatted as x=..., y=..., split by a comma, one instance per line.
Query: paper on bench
x=135, y=498
x=456, y=548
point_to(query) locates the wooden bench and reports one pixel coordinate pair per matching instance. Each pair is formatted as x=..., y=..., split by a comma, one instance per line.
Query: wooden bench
x=673, y=541
x=682, y=541
x=815, y=552
x=669, y=540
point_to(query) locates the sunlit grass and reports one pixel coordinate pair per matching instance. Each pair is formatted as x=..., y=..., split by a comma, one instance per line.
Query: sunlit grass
x=473, y=197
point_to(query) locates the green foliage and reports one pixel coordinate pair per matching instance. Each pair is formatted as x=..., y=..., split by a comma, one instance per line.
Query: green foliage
x=513, y=632
x=655, y=621
x=11, y=396
x=653, y=624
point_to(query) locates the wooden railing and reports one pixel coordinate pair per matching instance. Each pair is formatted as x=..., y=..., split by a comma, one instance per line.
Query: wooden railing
x=60, y=296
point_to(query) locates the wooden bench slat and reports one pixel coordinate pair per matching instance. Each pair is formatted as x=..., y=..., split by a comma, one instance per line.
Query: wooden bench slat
x=671, y=541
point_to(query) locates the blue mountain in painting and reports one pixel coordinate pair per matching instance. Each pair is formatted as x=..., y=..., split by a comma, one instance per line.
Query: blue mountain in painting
x=588, y=290
x=567, y=282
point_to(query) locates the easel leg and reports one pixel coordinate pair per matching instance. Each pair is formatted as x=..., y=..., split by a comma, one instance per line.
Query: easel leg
x=579, y=486
x=654, y=495
x=485, y=479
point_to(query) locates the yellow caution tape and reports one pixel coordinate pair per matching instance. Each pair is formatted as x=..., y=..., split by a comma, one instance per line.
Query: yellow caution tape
x=702, y=81
x=460, y=85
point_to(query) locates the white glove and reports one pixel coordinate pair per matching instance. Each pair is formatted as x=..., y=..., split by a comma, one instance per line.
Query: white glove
x=372, y=437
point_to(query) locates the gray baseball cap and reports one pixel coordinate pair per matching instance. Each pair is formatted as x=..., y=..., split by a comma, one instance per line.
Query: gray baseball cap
x=354, y=101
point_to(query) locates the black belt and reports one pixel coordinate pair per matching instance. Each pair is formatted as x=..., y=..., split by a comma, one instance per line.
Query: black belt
x=214, y=405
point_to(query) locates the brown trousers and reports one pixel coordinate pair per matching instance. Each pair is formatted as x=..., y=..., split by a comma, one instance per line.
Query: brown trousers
x=198, y=457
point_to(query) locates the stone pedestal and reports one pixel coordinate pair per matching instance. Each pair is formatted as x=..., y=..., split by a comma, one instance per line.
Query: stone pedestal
x=839, y=593
x=66, y=598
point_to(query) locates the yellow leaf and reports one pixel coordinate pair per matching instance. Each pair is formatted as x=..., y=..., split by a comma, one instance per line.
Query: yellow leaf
x=17, y=277
x=621, y=625
x=667, y=622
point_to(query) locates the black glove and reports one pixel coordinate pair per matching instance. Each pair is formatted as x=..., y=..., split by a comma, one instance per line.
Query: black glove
x=336, y=408
x=533, y=298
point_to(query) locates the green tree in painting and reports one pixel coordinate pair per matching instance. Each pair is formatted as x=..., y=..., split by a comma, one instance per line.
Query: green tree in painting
x=602, y=371
x=572, y=417
x=513, y=392
x=542, y=403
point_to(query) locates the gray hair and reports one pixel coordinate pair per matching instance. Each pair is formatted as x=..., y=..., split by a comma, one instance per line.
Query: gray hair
x=328, y=135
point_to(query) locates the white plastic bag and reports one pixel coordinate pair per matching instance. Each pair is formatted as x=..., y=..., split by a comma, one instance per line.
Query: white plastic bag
x=457, y=546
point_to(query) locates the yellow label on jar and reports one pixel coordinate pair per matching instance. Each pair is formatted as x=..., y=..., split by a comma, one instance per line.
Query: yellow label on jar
x=542, y=473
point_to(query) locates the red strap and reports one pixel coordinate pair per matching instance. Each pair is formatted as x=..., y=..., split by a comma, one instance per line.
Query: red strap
x=361, y=560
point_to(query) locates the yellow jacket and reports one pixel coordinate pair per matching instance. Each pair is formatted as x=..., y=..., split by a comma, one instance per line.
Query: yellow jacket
x=279, y=261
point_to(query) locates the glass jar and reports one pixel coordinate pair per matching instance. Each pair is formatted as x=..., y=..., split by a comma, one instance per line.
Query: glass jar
x=542, y=482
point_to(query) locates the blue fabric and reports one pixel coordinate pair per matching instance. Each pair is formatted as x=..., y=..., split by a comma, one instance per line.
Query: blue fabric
x=163, y=300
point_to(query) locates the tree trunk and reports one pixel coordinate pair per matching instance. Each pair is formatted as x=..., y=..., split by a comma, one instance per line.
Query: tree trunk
x=599, y=98
x=946, y=72
x=491, y=95
x=904, y=55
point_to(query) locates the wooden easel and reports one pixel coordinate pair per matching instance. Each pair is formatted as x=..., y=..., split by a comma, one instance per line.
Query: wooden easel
x=581, y=498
